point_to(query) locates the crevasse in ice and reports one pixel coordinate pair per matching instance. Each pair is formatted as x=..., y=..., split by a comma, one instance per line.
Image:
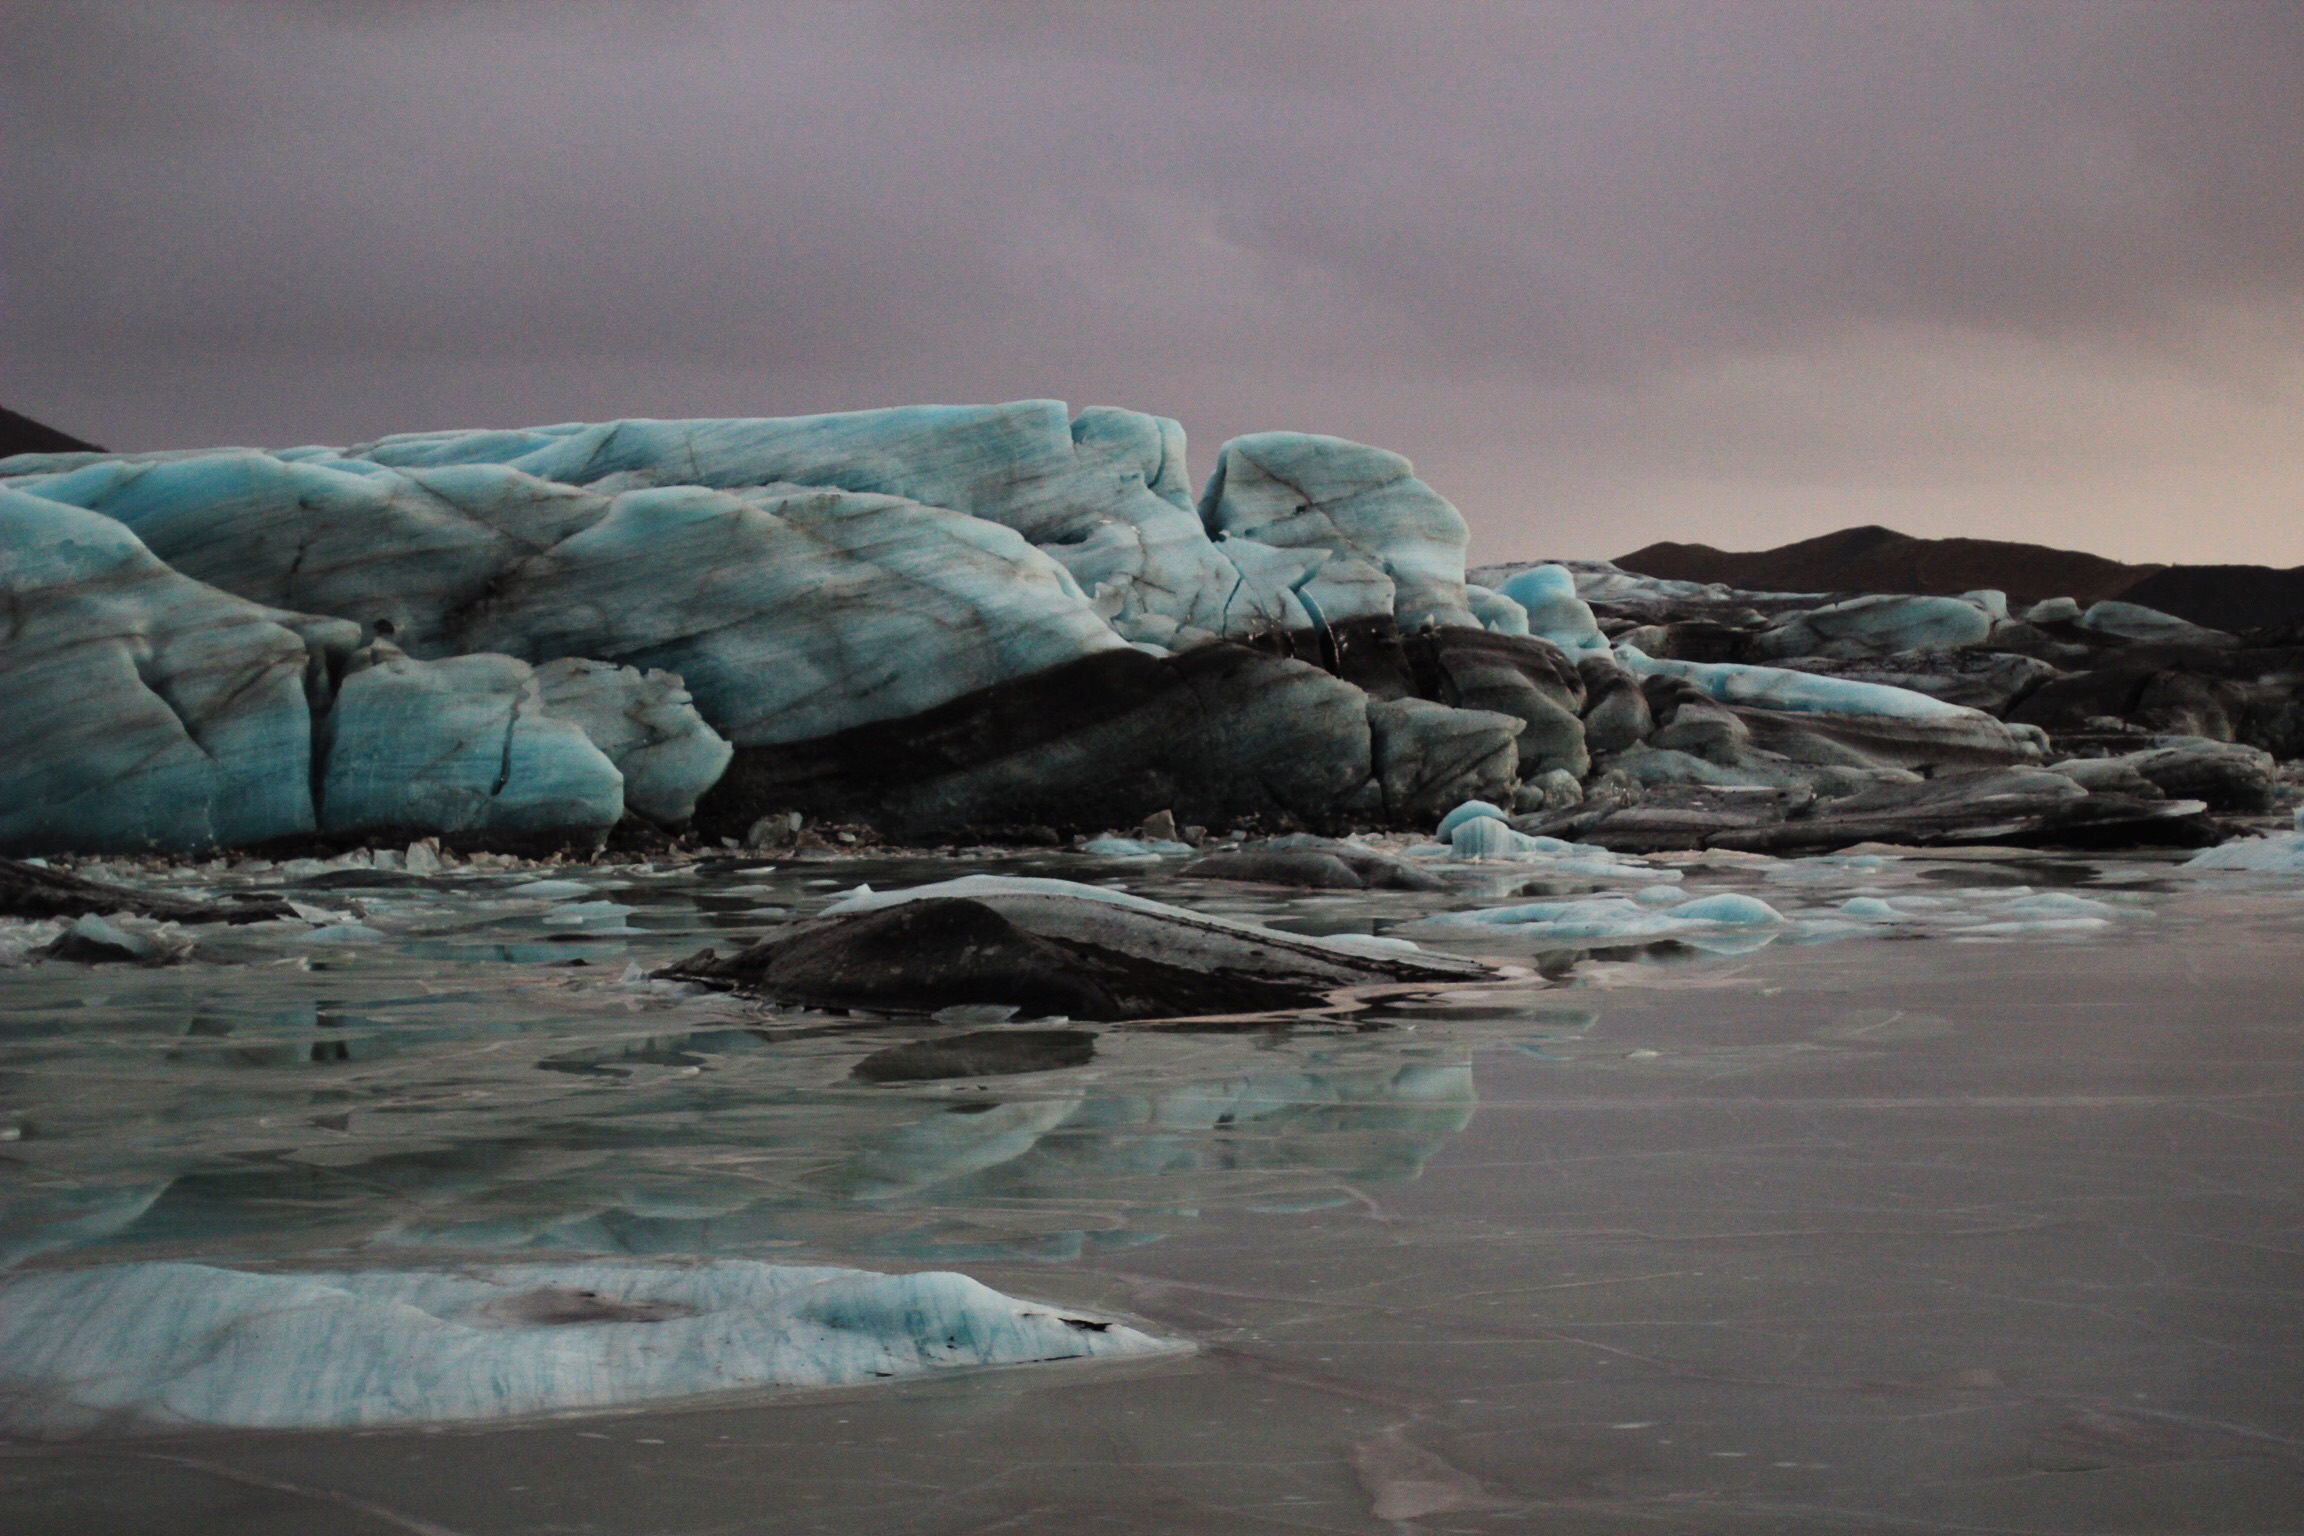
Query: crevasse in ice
x=137, y=706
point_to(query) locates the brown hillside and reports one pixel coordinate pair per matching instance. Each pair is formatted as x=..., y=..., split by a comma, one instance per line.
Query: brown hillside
x=1874, y=559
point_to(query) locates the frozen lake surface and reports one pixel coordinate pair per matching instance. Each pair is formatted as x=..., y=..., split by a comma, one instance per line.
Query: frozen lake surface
x=1965, y=1197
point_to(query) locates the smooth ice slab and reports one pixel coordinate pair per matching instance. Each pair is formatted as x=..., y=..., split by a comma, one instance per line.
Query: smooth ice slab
x=157, y=1346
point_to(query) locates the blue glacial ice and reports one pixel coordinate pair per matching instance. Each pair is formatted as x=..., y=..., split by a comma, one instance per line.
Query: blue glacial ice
x=160, y=1346
x=1470, y=810
x=799, y=612
x=646, y=724
x=139, y=708
x=1728, y=922
x=2134, y=621
x=1397, y=547
x=2282, y=853
x=398, y=554
x=1555, y=612
x=1794, y=692
x=1877, y=625
x=465, y=744
x=1495, y=611
x=1104, y=492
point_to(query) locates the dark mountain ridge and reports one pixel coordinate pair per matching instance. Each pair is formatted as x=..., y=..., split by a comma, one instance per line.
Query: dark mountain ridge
x=21, y=434
x=1876, y=559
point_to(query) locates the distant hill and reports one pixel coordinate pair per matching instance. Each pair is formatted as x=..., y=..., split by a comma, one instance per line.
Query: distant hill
x=21, y=434
x=1874, y=559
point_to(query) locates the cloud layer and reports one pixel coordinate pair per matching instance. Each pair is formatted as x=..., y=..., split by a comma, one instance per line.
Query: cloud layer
x=1608, y=273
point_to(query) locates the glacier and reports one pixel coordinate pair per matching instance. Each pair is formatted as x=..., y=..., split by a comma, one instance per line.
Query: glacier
x=940, y=620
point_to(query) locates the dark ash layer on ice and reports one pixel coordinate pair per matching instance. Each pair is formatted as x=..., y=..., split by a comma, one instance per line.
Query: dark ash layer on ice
x=941, y=621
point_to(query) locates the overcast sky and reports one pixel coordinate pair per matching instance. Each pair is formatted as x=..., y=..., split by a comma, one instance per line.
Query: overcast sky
x=1607, y=272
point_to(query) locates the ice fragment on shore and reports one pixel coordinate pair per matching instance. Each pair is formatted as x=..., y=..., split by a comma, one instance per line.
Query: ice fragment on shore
x=173, y=1345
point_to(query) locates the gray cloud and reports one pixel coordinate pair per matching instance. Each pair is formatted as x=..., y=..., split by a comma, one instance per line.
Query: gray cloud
x=1738, y=273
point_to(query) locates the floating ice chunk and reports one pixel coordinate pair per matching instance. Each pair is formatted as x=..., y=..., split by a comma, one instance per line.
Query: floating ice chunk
x=2052, y=610
x=1610, y=920
x=1064, y=909
x=1133, y=848
x=1470, y=810
x=551, y=890
x=1485, y=837
x=2051, y=925
x=2056, y=904
x=1555, y=611
x=95, y=939
x=591, y=917
x=170, y=1345
x=342, y=933
x=1795, y=692
x=1728, y=907
x=2280, y=854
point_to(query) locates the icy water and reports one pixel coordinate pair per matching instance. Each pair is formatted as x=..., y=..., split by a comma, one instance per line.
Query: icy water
x=1985, y=1217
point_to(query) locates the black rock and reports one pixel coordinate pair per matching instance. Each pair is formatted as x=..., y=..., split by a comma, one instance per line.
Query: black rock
x=1093, y=960
x=1221, y=735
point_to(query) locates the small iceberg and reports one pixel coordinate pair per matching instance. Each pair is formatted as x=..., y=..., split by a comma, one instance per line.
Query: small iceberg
x=171, y=1345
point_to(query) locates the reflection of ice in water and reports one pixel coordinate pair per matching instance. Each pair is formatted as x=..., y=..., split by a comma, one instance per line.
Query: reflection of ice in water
x=392, y=1100
x=484, y=1082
